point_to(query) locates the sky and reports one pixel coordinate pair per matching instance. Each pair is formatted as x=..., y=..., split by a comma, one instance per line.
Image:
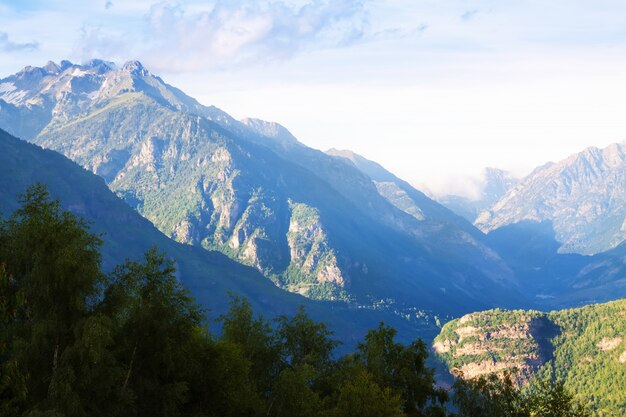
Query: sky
x=433, y=90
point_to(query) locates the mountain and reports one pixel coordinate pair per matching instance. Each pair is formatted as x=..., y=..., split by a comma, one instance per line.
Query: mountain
x=549, y=279
x=493, y=185
x=583, y=197
x=209, y=275
x=310, y=222
x=585, y=347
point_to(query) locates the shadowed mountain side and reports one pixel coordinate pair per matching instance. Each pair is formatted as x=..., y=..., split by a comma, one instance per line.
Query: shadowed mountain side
x=559, y=280
x=208, y=275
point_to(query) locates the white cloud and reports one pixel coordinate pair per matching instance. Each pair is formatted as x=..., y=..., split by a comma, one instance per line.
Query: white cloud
x=232, y=32
x=97, y=42
x=6, y=45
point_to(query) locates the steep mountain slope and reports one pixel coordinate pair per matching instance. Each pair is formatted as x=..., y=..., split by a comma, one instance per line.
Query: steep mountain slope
x=583, y=196
x=494, y=185
x=310, y=222
x=404, y=196
x=209, y=275
x=126, y=234
x=585, y=347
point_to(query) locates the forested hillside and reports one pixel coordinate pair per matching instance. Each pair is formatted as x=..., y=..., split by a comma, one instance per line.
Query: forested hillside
x=584, y=347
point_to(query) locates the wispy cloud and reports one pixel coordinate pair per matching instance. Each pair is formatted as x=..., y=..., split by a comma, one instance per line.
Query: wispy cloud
x=469, y=14
x=235, y=32
x=6, y=45
x=96, y=42
x=399, y=32
x=108, y=4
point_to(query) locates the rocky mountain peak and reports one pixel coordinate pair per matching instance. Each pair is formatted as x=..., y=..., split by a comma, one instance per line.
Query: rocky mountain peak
x=65, y=64
x=136, y=68
x=52, y=67
x=31, y=73
x=100, y=66
x=583, y=196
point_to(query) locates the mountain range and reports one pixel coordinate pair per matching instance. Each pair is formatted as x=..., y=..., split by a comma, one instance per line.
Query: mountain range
x=315, y=224
x=284, y=224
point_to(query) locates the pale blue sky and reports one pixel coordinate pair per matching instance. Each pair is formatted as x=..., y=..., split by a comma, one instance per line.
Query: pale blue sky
x=434, y=90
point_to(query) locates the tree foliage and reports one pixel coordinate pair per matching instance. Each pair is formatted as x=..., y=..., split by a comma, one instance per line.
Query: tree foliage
x=77, y=342
x=497, y=396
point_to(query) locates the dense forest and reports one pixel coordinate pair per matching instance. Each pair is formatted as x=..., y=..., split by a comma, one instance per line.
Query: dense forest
x=76, y=341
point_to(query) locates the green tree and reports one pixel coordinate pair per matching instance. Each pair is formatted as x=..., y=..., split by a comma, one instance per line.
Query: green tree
x=219, y=381
x=547, y=398
x=13, y=389
x=489, y=396
x=156, y=323
x=53, y=261
x=257, y=341
x=403, y=369
x=304, y=341
x=496, y=395
x=293, y=394
x=363, y=397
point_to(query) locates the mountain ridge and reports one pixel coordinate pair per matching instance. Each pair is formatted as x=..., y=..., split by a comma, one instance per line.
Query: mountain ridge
x=583, y=195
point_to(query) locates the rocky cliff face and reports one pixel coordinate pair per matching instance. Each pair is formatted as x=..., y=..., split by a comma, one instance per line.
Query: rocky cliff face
x=482, y=343
x=312, y=256
x=583, y=196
